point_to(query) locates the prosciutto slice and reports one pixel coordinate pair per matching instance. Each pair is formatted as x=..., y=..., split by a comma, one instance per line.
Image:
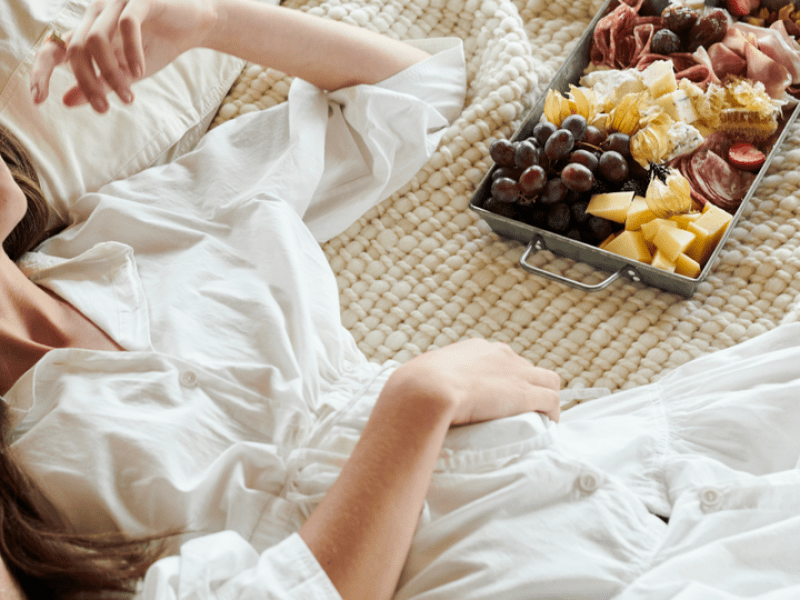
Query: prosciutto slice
x=712, y=178
x=759, y=54
x=776, y=43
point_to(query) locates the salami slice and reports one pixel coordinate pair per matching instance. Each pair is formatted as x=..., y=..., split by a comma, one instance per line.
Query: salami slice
x=712, y=178
x=622, y=37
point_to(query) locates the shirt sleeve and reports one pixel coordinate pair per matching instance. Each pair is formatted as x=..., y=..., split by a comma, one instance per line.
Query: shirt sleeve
x=223, y=566
x=379, y=136
x=329, y=155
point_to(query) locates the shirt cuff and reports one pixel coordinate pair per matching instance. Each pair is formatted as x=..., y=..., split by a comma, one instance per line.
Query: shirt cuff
x=224, y=566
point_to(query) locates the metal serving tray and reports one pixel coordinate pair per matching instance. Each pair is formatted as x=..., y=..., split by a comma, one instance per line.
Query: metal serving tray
x=618, y=266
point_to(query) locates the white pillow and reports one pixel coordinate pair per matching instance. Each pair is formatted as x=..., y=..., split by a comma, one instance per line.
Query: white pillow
x=76, y=150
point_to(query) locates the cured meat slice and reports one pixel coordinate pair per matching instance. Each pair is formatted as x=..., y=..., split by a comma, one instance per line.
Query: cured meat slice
x=725, y=61
x=622, y=37
x=776, y=43
x=772, y=74
x=685, y=66
x=712, y=178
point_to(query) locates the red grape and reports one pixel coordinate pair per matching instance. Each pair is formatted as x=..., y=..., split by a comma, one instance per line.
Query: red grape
x=532, y=180
x=618, y=142
x=543, y=130
x=554, y=191
x=576, y=125
x=585, y=158
x=594, y=136
x=558, y=217
x=527, y=154
x=505, y=189
x=613, y=166
x=502, y=153
x=559, y=144
x=577, y=177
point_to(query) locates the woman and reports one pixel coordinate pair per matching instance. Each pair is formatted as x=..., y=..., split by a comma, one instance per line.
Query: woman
x=295, y=468
x=276, y=342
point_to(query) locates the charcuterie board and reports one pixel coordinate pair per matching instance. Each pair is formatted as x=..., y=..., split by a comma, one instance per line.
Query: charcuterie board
x=537, y=238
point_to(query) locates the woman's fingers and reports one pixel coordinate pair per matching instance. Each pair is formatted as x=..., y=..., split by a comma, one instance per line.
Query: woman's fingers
x=52, y=54
x=95, y=62
x=482, y=380
x=130, y=28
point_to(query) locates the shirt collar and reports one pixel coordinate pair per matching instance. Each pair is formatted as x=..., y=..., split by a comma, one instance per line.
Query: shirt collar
x=103, y=283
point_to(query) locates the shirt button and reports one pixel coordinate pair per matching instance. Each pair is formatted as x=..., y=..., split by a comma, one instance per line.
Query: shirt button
x=588, y=482
x=189, y=378
x=710, y=497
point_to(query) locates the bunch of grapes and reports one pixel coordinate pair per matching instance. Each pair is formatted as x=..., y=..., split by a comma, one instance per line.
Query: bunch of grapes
x=548, y=179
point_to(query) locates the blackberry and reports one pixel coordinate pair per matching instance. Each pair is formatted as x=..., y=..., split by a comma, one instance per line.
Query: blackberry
x=637, y=186
x=600, y=186
x=659, y=170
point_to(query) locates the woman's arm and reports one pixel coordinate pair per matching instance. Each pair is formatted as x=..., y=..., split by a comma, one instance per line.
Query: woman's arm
x=362, y=530
x=120, y=41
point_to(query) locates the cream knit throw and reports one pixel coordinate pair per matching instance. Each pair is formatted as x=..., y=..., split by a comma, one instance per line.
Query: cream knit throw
x=421, y=270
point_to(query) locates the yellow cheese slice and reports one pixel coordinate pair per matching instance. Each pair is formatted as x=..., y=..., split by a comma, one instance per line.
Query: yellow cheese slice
x=612, y=205
x=630, y=244
x=708, y=229
x=684, y=219
x=638, y=213
x=687, y=266
x=662, y=262
x=650, y=228
x=672, y=241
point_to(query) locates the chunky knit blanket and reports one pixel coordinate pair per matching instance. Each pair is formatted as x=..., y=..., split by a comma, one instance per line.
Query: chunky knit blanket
x=421, y=270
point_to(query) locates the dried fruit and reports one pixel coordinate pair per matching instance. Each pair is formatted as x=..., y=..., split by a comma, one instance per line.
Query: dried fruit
x=670, y=197
x=708, y=30
x=679, y=18
x=746, y=156
x=665, y=42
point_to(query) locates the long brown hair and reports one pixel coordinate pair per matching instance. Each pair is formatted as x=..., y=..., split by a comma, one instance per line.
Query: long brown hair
x=49, y=561
x=38, y=549
x=33, y=227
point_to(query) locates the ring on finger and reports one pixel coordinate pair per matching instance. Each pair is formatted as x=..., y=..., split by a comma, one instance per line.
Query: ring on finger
x=57, y=39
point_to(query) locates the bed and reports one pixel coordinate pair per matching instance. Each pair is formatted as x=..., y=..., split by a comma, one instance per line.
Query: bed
x=422, y=270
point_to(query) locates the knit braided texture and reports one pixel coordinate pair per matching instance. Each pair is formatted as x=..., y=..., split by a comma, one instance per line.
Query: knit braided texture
x=421, y=270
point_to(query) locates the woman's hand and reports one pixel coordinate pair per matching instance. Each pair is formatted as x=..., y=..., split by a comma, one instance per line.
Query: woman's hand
x=118, y=42
x=482, y=380
x=362, y=530
x=121, y=41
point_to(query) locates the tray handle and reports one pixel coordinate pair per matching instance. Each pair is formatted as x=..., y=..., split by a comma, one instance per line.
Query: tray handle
x=537, y=243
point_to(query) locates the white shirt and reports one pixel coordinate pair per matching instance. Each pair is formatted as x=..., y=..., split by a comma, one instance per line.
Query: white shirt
x=241, y=395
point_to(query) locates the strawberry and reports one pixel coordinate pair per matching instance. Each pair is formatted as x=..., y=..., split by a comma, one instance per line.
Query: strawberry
x=746, y=156
x=738, y=8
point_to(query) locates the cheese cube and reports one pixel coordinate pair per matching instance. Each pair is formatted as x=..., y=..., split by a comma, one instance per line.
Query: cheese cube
x=650, y=229
x=662, y=262
x=672, y=241
x=708, y=230
x=607, y=241
x=685, y=218
x=686, y=266
x=659, y=77
x=612, y=206
x=638, y=213
x=678, y=105
x=630, y=244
